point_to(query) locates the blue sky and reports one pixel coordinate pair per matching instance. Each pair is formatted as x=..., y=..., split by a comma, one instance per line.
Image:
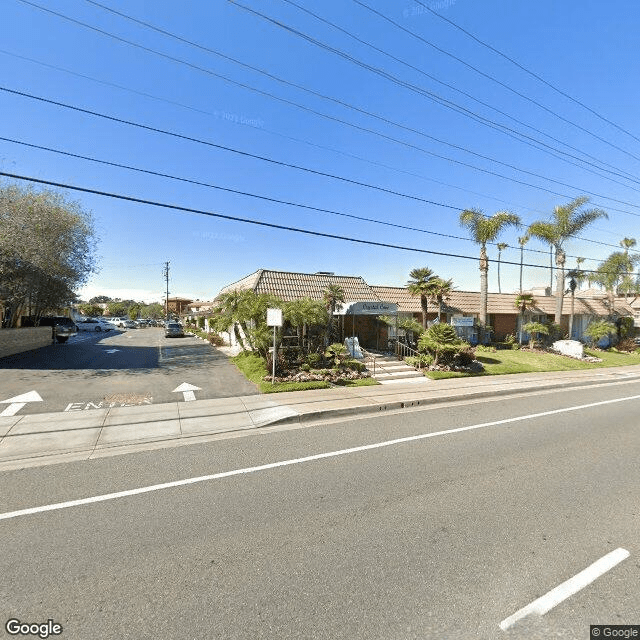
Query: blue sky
x=587, y=49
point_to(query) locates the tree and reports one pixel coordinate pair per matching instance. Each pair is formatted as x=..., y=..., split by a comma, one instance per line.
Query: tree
x=533, y=329
x=332, y=295
x=627, y=284
x=440, y=290
x=90, y=310
x=523, y=302
x=99, y=300
x=230, y=309
x=421, y=278
x=154, y=310
x=566, y=221
x=483, y=229
x=303, y=313
x=47, y=250
x=440, y=339
x=611, y=272
x=501, y=247
x=599, y=329
x=522, y=240
x=576, y=277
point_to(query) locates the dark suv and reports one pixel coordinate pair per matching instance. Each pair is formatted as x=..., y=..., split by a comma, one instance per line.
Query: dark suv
x=62, y=327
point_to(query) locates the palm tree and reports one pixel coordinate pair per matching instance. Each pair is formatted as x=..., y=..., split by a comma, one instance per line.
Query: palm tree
x=419, y=285
x=523, y=302
x=522, y=240
x=332, y=295
x=440, y=291
x=484, y=229
x=575, y=276
x=501, y=247
x=230, y=305
x=567, y=220
x=627, y=284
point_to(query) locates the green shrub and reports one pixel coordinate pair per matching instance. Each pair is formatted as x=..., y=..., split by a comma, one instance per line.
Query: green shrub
x=305, y=367
x=534, y=328
x=441, y=341
x=354, y=365
x=337, y=352
x=422, y=360
x=486, y=348
x=599, y=329
x=313, y=359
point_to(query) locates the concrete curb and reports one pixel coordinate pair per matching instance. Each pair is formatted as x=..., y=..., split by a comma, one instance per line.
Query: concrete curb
x=35, y=440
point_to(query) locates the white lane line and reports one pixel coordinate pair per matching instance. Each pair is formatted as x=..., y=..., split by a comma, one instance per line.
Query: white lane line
x=568, y=588
x=287, y=463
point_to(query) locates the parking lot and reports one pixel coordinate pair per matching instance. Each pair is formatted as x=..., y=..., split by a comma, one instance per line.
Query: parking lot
x=118, y=368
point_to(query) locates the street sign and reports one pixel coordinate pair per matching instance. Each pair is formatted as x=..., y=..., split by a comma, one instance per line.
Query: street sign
x=274, y=317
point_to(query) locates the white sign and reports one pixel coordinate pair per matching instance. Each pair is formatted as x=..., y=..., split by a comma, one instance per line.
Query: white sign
x=274, y=317
x=463, y=322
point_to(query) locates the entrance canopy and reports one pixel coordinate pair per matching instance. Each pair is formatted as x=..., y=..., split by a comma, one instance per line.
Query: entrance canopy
x=374, y=308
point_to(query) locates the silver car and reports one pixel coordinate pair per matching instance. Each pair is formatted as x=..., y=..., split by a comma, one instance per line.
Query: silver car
x=174, y=330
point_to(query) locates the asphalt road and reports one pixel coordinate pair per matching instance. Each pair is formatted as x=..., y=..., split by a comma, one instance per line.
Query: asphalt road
x=441, y=537
x=133, y=367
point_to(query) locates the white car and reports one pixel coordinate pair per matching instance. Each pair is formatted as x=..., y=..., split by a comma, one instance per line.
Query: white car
x=96, y=324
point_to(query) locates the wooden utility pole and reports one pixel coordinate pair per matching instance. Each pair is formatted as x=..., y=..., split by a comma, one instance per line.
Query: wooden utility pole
x=166, y=276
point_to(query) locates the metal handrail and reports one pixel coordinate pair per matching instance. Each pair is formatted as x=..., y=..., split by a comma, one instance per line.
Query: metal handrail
x=371, y=355
x=403, y=351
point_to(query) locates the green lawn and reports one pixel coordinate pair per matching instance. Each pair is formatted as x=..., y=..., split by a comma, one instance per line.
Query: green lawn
x=254, y=368
x=525, y=361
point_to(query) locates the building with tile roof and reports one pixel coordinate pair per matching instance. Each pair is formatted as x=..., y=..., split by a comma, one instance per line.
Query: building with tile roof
x=503, y=316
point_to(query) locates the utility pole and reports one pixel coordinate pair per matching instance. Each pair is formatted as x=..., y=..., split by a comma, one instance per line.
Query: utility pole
x=165, y=273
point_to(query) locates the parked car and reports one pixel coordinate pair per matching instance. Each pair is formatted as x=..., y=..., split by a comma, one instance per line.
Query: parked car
x=129, y=324
x=62, y=327
x=174, y=330
x=96, y=324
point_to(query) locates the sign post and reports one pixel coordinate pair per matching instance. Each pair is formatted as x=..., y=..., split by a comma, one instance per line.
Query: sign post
x=274, y=319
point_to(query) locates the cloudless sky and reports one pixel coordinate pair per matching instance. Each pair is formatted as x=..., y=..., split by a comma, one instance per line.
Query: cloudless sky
x=588, y=49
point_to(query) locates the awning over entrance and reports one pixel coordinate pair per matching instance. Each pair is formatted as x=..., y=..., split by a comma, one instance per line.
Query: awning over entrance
x=374, y=308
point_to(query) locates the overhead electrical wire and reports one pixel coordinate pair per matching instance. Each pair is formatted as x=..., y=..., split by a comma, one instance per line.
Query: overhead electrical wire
x=528, y=71
x=341, y=121
x=262, y=197
x=431, y=95
x=617, y=171
x=267, y=159
x=174, y=207
x=294, y=139
x=493, y=79
x=528, y=140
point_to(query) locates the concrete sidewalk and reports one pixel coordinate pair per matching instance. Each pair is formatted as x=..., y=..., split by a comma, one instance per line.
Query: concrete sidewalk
x=47, y=438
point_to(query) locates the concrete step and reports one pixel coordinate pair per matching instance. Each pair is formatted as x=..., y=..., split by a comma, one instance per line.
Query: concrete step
x=397, y=375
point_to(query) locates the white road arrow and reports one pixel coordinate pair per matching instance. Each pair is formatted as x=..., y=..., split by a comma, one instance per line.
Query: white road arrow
x=187, y=390
x=112, y=350
x=15, y=404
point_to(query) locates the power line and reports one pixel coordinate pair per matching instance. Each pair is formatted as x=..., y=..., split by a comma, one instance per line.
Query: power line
x=282, y=163
x=262, y=223
x=268, y=198
x=617, y=171
x=443, y=102
x=335, y=119
x=423, y=92
x=492, y=78
x=528, y=71
x=292, y=138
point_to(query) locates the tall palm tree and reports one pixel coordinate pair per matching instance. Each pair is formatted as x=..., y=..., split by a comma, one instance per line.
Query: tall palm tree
x=501, y=247
x=483, y=229
x=627, y=284
x=567, y=220
x=576, y=277
x=419, y=285
x=523, y=302
x=440, y=291
x=332, y=295
x=522, y=240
